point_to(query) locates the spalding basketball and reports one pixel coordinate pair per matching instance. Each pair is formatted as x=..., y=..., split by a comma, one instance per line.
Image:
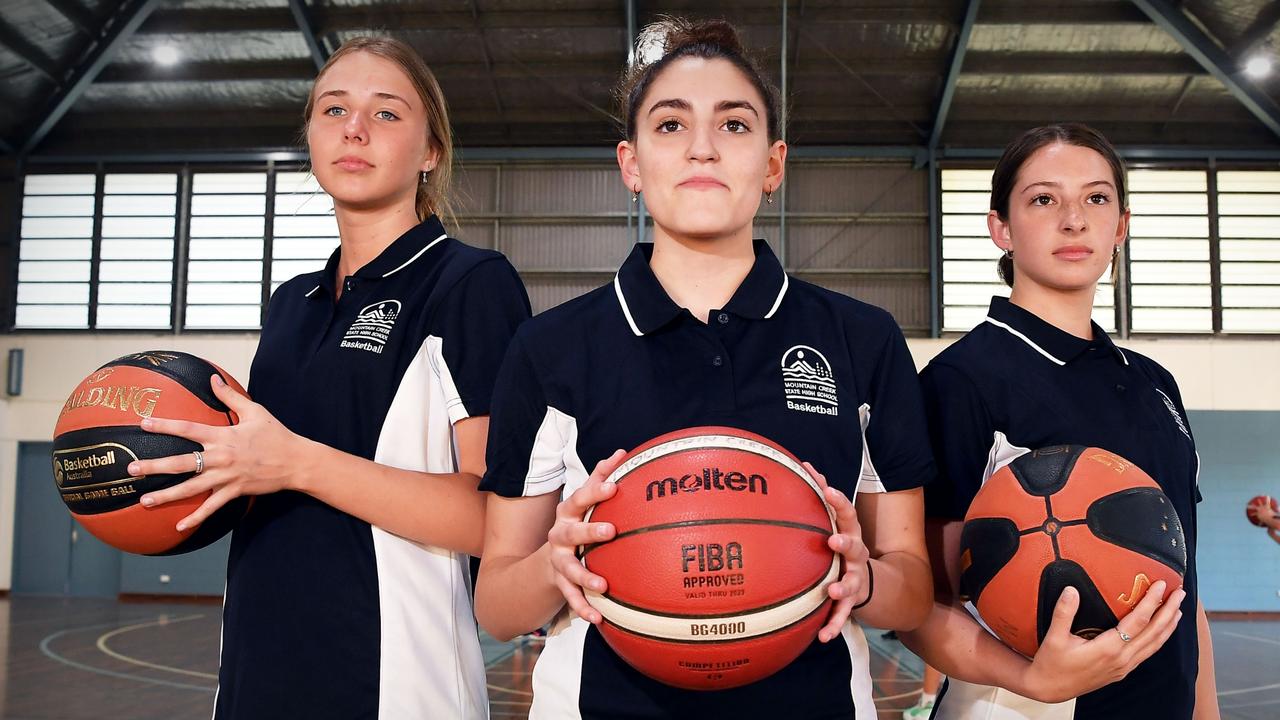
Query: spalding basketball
x=719, y=570
x=1067, y=516
x=98, y=435
x=1255, y=507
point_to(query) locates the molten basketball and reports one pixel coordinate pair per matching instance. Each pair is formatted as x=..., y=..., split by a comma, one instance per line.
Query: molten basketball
x=1259, y=505
x=98, y=435
x=719, y=570
x=1067, y=516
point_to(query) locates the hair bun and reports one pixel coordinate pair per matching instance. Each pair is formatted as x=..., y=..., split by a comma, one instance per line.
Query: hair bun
x=670, y=34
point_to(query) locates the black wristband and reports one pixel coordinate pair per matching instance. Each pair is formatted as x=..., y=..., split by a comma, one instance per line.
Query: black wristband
x=871, y=587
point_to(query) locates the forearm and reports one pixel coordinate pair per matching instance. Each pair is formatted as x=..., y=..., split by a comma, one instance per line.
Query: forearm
x=902, y=594
x=954, y=643
x=1206, y=682
x=444, y=510
x=514, y=595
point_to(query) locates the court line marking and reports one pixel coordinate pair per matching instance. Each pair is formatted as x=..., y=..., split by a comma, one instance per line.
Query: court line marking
x=510, y=691
x=1251, y=637
x=49, y=653
x=163, y=620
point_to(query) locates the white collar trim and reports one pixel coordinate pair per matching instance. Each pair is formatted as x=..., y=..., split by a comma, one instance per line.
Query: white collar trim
x=1026, y=340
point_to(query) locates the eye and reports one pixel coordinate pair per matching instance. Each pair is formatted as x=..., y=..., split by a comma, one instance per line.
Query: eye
x=1099, y=198
x=736, y=126
x=669, y=126
x=335, y=111
x=1041, y=200
x=386, y=115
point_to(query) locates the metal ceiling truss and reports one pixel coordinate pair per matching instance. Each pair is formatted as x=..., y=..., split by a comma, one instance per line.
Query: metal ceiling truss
x=953, y=73
x=85, y=22
x=1257, y=32
x=128, y=16
x=28, y=53
x=1213, y=59
x=306, y=25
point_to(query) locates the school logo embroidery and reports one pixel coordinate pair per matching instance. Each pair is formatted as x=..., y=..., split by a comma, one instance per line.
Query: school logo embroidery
x=1173, y=410
x=372, y=327
x=808, y=383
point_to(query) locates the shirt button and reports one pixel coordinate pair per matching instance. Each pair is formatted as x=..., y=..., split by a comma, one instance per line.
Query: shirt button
x=723, y=318
x=717, y=361
x=1119, y=388
x=350, y=284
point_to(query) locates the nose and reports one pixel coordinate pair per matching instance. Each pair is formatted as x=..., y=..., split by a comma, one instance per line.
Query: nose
x=1073, y=218
x=702, y=145
x=353, y=130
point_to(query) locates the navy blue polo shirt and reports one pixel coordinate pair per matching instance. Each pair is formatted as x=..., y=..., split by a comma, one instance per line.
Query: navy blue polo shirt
x=827, y=377
x=1016, y=383
x=327, y=616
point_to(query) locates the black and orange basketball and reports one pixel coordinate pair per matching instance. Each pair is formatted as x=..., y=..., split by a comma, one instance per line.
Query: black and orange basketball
x=1067, y=516
x=98, y=435
x=718, y=573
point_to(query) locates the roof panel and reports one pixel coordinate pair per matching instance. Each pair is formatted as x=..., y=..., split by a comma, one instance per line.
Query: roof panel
x=1119, y=37
x=221, y=46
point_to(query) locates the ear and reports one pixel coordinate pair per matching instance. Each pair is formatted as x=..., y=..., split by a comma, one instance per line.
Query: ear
x=629, y=166
x=431, y=158
x=1122, y=229
x=776, y=167
x=999, y=230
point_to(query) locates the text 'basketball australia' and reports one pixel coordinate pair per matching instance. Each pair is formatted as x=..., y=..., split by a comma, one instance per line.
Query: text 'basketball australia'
x=710, y=479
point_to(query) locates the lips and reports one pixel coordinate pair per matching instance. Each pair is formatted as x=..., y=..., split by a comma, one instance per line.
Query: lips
x=1073, y=252
x=352, y=163
x=702, y=182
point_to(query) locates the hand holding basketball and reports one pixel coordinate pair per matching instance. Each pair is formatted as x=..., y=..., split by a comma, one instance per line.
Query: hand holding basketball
x=853, y=587
x=256, y=456
x=569, y=532
x=1067, y=666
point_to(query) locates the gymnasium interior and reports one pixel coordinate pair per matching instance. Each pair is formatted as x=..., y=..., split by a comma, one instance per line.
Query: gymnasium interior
x=154, y=192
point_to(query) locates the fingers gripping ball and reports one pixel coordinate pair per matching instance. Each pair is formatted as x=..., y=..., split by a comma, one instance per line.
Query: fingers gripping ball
x=98, y=435
x=719, y=570
x=1259, y=507
x=1067, y=516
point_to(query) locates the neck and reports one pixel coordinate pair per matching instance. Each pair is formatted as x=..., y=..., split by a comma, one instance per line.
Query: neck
x=701, y=274
x=1068, y=310
x=366, y=233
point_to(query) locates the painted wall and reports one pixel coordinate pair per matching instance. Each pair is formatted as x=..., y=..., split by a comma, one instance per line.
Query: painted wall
x=1240, y=458
x=1229, y=381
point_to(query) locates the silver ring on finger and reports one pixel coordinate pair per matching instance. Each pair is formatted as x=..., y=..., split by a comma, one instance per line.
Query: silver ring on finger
x=1123, y=635
x=199, y=461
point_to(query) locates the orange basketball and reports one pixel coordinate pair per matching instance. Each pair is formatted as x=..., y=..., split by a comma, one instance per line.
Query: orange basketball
x=98, y=435
x=1256, y=507
x=718, y=573
x=1067, y=516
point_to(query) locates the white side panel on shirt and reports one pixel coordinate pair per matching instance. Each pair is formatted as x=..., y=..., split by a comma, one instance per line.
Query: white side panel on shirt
x=869, y=479
x=860, y=679
x=557, y=676
x=430, y=664
x=553, y=462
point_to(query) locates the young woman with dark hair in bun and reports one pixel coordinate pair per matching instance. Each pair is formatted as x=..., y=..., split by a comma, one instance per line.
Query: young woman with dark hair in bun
x=693, y=330
x=1038, y=372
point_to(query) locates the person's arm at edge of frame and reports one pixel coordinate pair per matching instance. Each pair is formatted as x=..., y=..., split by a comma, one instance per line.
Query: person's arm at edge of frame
x=1206, y=680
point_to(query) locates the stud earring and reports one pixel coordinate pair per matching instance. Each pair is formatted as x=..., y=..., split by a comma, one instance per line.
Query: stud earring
x=1008, y=253
x=422, y=177
x=635, y=195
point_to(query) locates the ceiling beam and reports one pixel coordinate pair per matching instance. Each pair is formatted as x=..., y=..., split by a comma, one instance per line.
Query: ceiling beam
x=77, y=15
x=15, y=42
x=1212, y=58
x=208, y=71
x=953, y=74
x=1257, y=32
x=306, y=26
x=1079, y=63
x=127, y=18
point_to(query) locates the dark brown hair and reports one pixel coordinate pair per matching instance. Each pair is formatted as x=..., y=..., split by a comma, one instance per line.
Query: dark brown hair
x=433, y=195
x=681, y=38
x=1020, y=150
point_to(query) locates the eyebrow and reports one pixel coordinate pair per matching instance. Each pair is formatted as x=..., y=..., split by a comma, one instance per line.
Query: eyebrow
x=1052, y=184
x=723, y=105
x=383, y=95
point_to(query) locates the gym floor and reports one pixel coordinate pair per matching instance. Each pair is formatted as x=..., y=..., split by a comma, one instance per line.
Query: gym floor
x=93, y=659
